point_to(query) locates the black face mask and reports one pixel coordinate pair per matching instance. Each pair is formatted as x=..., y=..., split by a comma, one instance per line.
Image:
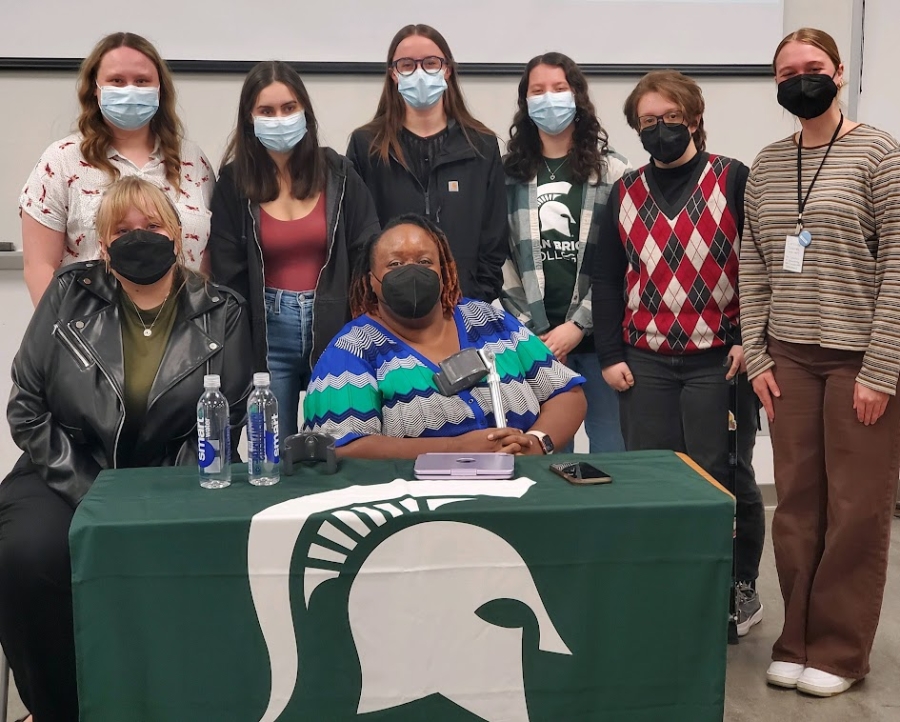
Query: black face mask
x=666, y=142
x=411, y=291
x=807, y=96
x=143, y=257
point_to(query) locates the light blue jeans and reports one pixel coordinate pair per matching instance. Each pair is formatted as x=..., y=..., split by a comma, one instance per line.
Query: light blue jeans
x=601, y=423
x=289, y=318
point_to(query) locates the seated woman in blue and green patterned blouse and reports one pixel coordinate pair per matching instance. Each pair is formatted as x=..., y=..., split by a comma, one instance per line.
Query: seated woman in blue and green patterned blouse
x=373, y=388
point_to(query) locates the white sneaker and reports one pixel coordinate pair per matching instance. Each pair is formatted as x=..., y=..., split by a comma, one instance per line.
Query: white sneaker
x=784, y=674
x=823, y=684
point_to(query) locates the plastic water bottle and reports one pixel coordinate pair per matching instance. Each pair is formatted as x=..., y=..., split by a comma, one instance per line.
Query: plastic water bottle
x=213, y=436
x=262, y=433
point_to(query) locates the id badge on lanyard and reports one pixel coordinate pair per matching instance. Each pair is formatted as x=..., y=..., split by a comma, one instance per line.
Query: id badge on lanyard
x=795, y=245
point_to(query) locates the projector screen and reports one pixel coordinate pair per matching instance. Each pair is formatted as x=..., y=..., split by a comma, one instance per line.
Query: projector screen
x=604, y=32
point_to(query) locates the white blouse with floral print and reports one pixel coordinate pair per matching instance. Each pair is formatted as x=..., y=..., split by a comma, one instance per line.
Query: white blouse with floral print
x=63, y=193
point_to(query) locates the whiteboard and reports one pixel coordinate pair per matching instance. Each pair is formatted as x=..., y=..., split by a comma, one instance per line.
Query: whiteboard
x=663, y=32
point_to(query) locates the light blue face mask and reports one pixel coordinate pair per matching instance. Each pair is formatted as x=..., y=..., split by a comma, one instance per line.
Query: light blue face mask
x=422, y=90
x=128, y=108
x=552, y=112
x=280, y=134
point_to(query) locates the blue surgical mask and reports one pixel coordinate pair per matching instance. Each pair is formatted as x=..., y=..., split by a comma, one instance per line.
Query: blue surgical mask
x=422, y=90
x=280, y=134
x=128, y=108
x=552, y=112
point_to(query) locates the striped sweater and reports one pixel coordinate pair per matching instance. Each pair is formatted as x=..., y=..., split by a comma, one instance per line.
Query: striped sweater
x=370, y=382
x=847, y=296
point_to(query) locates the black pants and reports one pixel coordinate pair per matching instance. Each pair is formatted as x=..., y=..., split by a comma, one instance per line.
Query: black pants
x=36, y=595
x=681, y=403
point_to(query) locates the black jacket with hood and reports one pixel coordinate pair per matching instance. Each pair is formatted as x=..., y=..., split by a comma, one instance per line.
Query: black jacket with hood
x=466, y=197
x=66, y=409
x=236, y=255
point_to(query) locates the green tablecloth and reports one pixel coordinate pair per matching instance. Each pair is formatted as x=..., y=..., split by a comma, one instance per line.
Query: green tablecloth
x=500, y=601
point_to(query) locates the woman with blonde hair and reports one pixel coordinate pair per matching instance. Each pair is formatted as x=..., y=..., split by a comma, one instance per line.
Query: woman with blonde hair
x=425, y=153
x=820, y=293
x=128, y=125
x=107, y=376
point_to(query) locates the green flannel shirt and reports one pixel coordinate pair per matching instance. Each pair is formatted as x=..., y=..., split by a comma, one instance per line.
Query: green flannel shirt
x=523, y=273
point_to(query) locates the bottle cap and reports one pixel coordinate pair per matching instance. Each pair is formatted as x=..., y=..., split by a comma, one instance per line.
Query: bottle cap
x=261, y=379
x=212, y=381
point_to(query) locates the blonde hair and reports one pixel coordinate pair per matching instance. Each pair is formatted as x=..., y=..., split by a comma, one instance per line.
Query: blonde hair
x=811, y=36
x=677, y=87
x=133, y=192
x=165, y=125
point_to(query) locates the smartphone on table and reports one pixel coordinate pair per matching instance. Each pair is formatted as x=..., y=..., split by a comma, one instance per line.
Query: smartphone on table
x=580, y=472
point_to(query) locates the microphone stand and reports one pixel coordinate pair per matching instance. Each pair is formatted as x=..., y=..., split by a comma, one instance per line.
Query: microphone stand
x=493, y=380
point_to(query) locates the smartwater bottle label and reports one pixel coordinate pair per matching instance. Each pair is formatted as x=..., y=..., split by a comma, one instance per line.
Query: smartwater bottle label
x=272, y=446
x=208, y=456
x=257, y=445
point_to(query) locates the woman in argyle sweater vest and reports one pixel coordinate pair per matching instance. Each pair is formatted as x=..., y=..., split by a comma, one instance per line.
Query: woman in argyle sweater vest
x=665, y=307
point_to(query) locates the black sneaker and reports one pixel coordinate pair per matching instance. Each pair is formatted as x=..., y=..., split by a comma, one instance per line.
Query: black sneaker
x=749, y=608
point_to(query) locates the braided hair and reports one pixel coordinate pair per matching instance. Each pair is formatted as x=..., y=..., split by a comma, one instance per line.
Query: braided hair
x=362, y=296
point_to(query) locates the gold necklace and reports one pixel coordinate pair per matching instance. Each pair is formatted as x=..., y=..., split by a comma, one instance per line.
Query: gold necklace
x=148, y=330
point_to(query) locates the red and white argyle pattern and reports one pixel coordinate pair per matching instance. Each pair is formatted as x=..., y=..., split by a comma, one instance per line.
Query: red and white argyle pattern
x=681, y=282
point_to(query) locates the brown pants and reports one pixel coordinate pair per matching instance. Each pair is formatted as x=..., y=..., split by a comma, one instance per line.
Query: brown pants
x=836, y=481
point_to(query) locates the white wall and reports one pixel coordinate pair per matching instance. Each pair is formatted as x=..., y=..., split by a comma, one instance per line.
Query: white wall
x=742, y=116
x=879, y=102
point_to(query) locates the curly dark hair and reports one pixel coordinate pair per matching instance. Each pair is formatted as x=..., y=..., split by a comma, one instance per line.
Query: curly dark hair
x=590, y=146
x=363, y=298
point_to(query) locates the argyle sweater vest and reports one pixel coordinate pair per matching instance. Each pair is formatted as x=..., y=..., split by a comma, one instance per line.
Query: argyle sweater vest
x=681, y=281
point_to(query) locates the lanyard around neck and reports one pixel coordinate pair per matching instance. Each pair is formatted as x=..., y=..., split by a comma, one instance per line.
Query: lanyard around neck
x=801, y=200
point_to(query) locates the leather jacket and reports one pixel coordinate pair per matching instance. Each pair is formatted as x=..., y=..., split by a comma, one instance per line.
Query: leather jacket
x=66, y=409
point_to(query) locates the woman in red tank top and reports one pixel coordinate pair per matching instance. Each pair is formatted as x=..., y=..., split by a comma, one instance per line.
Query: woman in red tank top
x=288, y=216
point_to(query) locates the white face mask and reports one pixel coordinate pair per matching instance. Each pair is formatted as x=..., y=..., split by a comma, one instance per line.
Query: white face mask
x=280, y=134
x=128, y=108
x=422, y=90
x=552, y=112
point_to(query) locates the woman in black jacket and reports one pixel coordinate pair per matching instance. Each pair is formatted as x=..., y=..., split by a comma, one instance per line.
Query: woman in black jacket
x=287, y=216
x=424, y=153
x=108, y=376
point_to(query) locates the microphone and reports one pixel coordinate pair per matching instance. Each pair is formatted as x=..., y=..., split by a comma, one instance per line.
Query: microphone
x=464, y=370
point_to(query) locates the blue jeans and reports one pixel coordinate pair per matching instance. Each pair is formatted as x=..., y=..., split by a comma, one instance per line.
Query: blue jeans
x=601, y=423
x=289, y=318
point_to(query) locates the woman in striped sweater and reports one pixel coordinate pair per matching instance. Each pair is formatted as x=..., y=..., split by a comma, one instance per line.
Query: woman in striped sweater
x=820, y=313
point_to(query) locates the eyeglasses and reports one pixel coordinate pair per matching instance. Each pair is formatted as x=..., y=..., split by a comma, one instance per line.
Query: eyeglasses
x=407, y=66
x=673, y=117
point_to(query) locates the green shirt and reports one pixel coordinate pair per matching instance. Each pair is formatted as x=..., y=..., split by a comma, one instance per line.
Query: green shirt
x=142, y=355
x=559, y=210
x=559, y=214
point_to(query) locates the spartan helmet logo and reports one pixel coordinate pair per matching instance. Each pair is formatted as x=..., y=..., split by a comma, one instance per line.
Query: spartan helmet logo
x=422, y=635
x=555, y=215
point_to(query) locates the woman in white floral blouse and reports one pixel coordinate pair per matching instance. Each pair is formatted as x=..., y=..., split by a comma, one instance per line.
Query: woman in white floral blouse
x=127, y=126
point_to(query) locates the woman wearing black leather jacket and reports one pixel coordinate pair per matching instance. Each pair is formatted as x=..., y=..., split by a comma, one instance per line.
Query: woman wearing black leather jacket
x=108, y=376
